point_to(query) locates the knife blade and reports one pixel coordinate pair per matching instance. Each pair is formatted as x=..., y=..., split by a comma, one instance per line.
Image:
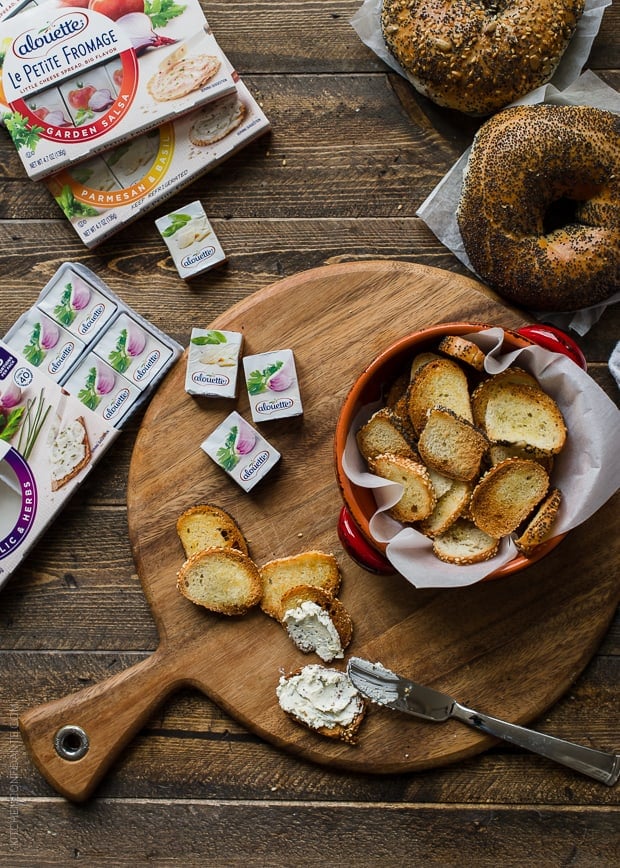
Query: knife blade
x=384, y=687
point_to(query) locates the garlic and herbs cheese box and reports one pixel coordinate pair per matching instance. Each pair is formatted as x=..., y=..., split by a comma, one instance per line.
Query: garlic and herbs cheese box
x=213, y=363
x=55, y=425
x=241, y=451
x=49, y=442
x=110, y=190
x=77, y=80
x=272, y=384
x=45, y=343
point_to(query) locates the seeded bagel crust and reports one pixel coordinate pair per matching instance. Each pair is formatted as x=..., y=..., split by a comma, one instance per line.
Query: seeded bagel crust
x=539, y=212
x=475, y=56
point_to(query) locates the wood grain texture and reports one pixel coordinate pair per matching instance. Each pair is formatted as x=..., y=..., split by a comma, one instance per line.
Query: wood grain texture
x=195, y=786
x=297, y=510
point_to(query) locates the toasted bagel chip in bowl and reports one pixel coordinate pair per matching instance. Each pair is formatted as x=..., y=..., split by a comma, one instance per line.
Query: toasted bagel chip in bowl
x=419, y=373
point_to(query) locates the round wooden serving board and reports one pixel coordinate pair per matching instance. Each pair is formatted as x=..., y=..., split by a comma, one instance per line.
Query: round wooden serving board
x=509, y=647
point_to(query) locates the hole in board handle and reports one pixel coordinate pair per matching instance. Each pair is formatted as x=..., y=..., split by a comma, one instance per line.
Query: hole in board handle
x=71, y=743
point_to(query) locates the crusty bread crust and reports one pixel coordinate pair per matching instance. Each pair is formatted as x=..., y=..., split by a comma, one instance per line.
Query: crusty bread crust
x=480, y=395
x=463, y=543
x=383, y=433
x=207, y=526
x=278, y=576
x=222, y=580
x=440, y=382
x=338, y=614
x=507, y=494
x=541, y=525
x=450, y=506
x=519, y=415
x=463, y=351
x=418, y=498
x=451, y=445
x=421, y=359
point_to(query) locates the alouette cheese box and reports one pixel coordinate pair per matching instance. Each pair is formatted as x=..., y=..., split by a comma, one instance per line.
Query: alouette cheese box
x=191, y=240
x=76, y=80
x=241, y=451
x=114, y=188
x=55, y=426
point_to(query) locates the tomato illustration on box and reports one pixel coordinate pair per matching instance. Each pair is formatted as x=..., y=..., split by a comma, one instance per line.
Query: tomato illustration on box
x=80, y=78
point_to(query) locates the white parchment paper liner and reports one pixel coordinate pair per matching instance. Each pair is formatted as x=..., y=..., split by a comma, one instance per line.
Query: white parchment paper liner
x=566, y=87
x=587, y=471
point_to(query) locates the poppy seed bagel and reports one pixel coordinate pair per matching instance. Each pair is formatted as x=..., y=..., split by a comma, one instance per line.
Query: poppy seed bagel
x=539, y=211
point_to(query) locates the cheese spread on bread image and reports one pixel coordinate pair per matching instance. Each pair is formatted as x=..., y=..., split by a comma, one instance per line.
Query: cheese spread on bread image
x=182, y=73
x=217, y=120
x=311, y=629
x=69, y=452
x=323, y=700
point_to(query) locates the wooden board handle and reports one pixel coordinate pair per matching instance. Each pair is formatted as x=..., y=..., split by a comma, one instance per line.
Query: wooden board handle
x=74, y=740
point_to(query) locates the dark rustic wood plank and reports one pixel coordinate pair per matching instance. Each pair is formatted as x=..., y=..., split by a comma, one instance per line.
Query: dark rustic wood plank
x=336, y=142
x=194, y=787
x=223, y=833
x=261, y=251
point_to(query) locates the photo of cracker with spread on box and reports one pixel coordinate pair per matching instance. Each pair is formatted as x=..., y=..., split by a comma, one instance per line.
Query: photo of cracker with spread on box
x=76, y=80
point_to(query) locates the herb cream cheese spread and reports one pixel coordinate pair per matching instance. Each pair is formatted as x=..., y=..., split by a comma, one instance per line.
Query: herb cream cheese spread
x=311, y=629
x=320, y=697
x=68, y=449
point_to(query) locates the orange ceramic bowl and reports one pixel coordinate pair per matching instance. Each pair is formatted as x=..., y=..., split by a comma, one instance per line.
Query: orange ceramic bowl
x=370, y=386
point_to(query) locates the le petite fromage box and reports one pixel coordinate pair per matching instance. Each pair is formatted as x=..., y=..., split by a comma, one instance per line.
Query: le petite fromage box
x=77, y=80
x=101, y=195
x=73, y=368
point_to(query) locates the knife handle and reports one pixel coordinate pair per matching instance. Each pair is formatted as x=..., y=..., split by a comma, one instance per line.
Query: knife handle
x=597, y=764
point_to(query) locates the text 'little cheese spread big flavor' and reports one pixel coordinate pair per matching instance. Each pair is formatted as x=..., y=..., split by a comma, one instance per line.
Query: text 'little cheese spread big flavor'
x=76, y=81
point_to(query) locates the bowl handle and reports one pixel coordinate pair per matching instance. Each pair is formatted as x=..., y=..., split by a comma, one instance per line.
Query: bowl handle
x=551, y=338
x=358, y=548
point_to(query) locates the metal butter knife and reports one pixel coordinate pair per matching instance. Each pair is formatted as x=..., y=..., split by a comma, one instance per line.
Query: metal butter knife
x=386, y=688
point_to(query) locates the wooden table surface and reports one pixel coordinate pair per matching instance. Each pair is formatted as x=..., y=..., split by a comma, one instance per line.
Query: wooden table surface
x=353, y=153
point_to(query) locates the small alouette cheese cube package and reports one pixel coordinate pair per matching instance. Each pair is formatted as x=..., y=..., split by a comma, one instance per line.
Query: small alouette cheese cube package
x=191, y=240
x=213, y=363
x=272, y=384
x=72, y=370
x=241, y=451
x=76, y=81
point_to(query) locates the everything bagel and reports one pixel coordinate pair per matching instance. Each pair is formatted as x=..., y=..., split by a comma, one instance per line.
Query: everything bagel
x=477, y=56
x=539, y=212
